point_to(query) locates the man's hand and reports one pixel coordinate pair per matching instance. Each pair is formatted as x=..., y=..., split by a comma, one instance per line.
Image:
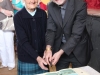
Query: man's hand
x=41, y=63
x=56, y=56
x=47, y=56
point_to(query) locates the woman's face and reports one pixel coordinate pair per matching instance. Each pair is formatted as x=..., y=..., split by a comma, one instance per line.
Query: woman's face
x=31, y=4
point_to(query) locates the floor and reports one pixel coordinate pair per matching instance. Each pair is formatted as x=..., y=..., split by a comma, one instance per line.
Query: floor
x=5, y=71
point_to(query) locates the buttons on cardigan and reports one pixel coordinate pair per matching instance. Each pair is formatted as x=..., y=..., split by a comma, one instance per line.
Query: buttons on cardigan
x=33, y=19
x=36, y=50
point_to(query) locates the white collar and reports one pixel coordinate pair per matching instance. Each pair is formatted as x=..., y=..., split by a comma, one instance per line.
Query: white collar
x=31, y=13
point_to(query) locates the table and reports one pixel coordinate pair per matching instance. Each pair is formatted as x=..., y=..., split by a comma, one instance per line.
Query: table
x=90, y=70
x=86, y=70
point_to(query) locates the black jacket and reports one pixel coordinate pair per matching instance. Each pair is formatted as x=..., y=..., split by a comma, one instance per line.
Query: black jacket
x=30, y=32
x=72, y=26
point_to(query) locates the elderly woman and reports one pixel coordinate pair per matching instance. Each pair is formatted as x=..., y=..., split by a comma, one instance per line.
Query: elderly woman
x=6, y=37
x=93, y=27
x=30, y=26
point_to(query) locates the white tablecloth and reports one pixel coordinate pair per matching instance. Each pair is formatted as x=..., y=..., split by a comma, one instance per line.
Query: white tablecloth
x=90, y=70
x=87, y=70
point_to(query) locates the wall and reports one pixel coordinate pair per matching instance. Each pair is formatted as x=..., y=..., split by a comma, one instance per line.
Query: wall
x=45, y=1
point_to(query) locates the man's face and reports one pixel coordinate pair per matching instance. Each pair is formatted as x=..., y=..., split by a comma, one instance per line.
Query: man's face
x=31, y=4
x=59, y=2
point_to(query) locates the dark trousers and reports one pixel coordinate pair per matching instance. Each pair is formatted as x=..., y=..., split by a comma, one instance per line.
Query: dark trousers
x=65, y=60
x=93, y=28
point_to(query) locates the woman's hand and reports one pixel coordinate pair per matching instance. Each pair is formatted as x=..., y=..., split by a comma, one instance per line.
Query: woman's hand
x=47, y=56
x=6, y=12
x=41, y=63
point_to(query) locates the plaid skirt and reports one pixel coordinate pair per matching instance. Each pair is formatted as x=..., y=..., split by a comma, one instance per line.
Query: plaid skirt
x=29, y=68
